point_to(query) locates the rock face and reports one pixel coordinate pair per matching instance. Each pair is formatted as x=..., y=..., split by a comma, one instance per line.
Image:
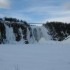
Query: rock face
x=21, y=32
x=13, y=31
x=2, y=33
x=58, y=30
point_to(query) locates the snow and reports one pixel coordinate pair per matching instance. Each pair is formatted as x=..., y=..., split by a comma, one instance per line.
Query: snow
x=42, y=56
x=10, y=35
x=38, y=32
x=42, y=40
x=67, y=40
x=45, y=33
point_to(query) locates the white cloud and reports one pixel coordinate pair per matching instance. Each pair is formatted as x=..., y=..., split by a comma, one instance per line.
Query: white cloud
x=1, y=15
x=66, y=5
x=59, y=19
x=40, y=9
x=18, y=16
x=4, y=3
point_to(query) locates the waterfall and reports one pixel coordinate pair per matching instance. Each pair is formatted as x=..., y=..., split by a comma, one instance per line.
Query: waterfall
x=21, y=33
x=39, y=32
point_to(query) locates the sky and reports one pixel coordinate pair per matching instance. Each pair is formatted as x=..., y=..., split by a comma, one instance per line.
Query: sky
x=36, y=11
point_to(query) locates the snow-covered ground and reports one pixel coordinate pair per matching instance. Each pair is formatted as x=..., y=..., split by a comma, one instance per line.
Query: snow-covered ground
x=50, y=55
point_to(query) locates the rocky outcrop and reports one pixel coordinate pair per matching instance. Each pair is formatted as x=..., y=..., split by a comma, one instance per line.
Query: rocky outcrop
x=14, y=31
x=58, y=30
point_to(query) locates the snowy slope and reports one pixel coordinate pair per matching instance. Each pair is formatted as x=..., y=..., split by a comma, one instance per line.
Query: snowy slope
x=48, y=56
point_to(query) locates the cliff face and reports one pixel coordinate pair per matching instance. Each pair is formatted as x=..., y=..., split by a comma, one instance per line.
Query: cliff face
x=15, y=31
x=18, y=32
x=11, y=32
x=58, y=30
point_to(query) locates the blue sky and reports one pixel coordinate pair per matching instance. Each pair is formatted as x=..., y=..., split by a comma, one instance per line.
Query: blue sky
x=36, y=10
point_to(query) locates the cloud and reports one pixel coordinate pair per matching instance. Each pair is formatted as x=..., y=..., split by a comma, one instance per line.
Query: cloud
x=47, y=13
x=38, y=10
x=1, y=15
x=18, y=16
x=65, y=5
x=59, y=19
x=4, y=3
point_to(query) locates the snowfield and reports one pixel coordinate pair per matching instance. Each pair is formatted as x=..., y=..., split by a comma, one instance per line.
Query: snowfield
x=31, y=47
x=42, y=56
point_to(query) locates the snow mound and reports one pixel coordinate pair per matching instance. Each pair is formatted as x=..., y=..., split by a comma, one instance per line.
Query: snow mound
x=66, y=41
x=43, y=40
